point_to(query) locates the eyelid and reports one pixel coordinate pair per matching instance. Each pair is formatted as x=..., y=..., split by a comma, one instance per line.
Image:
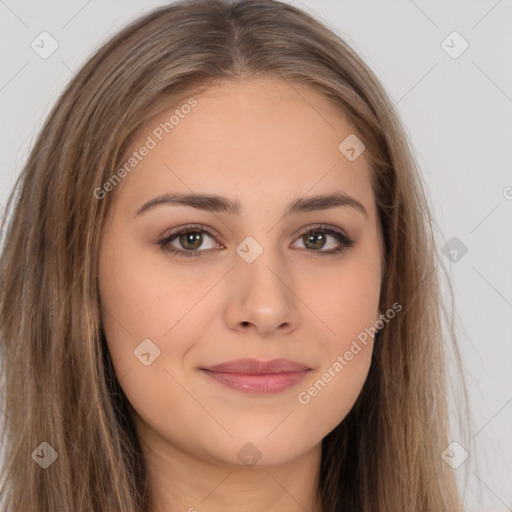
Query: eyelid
x=191, y=227
x=320, y=227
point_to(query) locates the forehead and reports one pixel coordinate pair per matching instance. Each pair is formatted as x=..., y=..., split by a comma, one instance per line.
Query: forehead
x=247, y=139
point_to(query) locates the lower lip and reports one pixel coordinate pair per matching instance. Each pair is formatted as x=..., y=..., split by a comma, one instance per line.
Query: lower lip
x=258, y=384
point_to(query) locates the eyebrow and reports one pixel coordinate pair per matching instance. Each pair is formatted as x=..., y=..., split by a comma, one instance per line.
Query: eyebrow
x=215, y=203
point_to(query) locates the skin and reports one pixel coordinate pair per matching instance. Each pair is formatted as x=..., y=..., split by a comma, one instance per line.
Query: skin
x=264, y=143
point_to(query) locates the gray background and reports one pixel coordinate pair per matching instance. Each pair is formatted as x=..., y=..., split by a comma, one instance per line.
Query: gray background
x=457, y=112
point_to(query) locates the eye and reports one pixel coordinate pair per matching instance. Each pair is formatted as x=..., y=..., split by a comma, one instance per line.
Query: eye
x=316, y=237
x=190, y=239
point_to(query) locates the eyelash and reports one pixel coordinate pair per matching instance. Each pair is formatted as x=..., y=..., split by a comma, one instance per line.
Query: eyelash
x=193, y=228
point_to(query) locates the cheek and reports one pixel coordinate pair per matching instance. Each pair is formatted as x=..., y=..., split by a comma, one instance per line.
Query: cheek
x=348, y=307
x=139, y=294
x=141, y=315
x=348, y=299
x=329, y=395
x=134, y=304
x=151, y=307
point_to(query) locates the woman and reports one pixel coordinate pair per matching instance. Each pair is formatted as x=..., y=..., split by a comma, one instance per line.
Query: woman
x=219, y=283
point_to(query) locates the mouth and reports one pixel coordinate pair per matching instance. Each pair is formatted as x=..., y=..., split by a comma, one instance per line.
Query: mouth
x=258, y=377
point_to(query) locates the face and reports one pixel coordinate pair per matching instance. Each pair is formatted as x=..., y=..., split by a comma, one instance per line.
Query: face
x=263, y=283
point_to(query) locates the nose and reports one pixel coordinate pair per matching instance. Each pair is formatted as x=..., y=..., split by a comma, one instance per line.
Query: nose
x=261, y=299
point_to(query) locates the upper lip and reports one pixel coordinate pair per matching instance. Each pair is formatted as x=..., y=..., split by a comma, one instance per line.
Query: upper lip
x=254, y=366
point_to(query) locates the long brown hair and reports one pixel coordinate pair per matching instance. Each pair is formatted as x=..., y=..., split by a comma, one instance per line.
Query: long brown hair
x=57, y=381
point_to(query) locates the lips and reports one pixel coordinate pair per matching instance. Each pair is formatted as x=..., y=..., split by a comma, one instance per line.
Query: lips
x=256, y=367
x=258, y=377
